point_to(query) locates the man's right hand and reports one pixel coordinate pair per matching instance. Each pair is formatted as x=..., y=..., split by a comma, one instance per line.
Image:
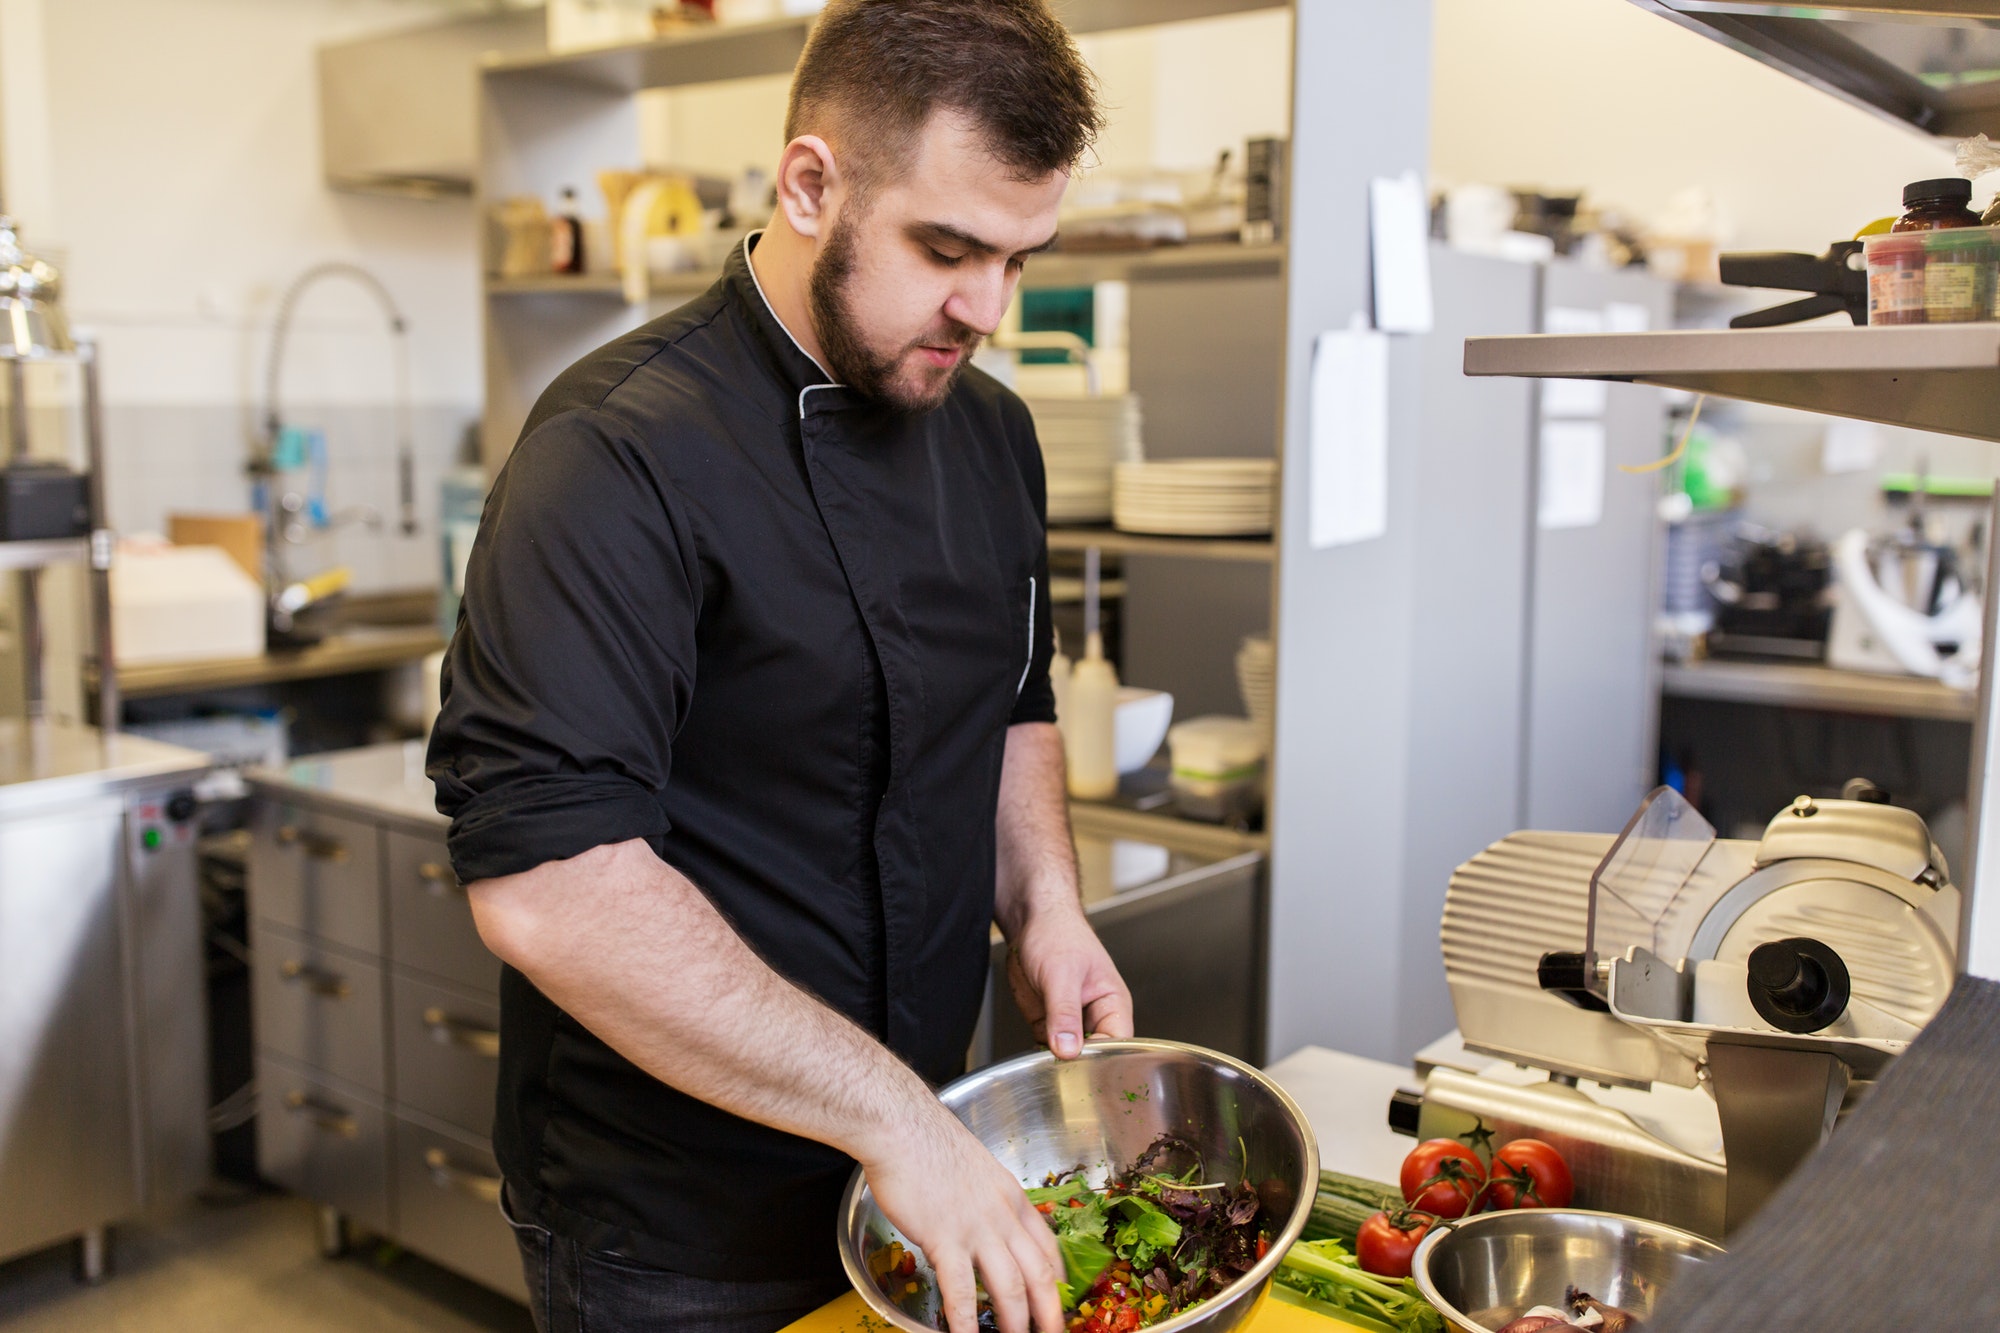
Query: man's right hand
x=632, y=950
x=954, y=1200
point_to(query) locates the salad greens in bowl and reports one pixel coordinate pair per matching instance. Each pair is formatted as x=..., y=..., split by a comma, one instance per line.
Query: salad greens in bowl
x=1174, y=1178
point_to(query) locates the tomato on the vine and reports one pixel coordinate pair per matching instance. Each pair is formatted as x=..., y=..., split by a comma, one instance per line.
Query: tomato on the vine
x=1386, y=1242
x=1443, y=1177
x=1528, y=1173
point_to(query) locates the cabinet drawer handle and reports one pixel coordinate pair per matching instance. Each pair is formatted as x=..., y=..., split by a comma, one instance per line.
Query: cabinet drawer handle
x=316, y=845
x=437, y=877
x=449, y=1176
x=319, y=981
x=329, y=1118
x=474, y=1037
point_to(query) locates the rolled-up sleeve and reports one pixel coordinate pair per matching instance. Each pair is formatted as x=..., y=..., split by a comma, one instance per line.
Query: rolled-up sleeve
x=573, y=660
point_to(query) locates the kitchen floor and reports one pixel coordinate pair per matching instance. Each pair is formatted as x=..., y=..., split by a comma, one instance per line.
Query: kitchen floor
x=246, y=1265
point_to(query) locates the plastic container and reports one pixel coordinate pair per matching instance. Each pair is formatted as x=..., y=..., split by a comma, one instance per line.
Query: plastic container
x=1218, y=767
x=1895, y=279
x=1943, y=276
x=1958, y=275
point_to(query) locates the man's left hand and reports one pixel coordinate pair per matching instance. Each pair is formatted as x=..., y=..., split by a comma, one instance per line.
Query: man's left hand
x=1066, y=984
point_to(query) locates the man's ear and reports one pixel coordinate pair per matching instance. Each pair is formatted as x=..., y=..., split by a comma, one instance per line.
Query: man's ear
x=808, y=180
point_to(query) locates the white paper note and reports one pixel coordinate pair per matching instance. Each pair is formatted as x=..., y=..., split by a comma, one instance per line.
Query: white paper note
x=1575, y=398
x=1627, y=317
x=1850, y=446
x=1400, y=232
x=1350, y=437
x=1572, y=320
x=1572, y=474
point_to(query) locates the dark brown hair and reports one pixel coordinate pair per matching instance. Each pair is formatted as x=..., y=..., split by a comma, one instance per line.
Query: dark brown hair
x=875, y=71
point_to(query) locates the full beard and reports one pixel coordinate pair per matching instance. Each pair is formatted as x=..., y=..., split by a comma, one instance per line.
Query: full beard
x=850, y=359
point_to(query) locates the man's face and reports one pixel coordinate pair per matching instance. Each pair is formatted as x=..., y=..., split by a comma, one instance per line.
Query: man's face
x=911, y=277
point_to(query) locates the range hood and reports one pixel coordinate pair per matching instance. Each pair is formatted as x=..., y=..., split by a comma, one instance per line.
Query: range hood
x=399, y=113
x=1931, y=64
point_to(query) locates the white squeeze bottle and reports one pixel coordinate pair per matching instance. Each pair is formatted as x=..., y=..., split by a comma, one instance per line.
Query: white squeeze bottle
x=1093, y=705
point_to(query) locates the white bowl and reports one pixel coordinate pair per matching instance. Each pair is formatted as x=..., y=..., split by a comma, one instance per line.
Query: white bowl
x=1142, y=720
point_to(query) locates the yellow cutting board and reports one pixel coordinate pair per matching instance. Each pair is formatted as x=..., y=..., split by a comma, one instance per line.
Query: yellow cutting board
x=849, y=1314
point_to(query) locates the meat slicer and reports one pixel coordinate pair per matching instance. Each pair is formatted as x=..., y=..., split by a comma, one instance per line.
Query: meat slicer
x=1607, y=977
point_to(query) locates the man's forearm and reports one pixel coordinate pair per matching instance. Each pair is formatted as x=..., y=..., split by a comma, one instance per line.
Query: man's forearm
x=636, y=953
x=1036, y=858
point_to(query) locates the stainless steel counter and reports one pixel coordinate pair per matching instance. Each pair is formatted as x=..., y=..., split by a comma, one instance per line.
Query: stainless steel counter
x=1185, y=923
x=378, y=781
x=102, y=1049
x=47, y=762
x=1809, y=685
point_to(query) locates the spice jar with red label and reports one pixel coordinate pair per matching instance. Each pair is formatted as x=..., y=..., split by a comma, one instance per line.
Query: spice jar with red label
x=1895, y=279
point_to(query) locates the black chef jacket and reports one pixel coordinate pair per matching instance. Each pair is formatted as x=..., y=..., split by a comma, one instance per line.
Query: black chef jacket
x=779, y=631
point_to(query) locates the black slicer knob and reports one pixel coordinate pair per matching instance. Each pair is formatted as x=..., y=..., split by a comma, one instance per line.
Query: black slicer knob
x=1798, y=985
x=1567, y=973
x=1406, y=1109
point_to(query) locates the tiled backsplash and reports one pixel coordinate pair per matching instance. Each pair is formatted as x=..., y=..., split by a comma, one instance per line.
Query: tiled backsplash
x=174, y=458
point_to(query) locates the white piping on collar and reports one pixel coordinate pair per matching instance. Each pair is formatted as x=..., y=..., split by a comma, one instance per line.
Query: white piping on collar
x=781, y=323
x=808, y=389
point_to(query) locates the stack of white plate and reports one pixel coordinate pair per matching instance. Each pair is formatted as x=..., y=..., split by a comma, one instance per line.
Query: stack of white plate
x=1083, y=439
x=1195, y=497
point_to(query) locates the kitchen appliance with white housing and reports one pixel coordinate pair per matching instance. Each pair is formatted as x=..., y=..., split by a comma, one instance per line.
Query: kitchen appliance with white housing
x=1902, y=606
x=1606, y=977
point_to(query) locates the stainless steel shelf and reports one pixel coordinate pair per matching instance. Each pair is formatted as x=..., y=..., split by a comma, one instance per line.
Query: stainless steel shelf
x=601, y=286
x=361, y=648
x=34, y=555
x=1060, y=269
x=1164, y=828
x=748, y=50
x=1112, y=542
x=1081, y=268
x=1943, y=377
x=1896, y=58
x=1826, y=689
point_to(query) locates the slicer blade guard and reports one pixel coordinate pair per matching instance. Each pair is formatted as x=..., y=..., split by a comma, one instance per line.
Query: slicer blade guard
x=1643, y=894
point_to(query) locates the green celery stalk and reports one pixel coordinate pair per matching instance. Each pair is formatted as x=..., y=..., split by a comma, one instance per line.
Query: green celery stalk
x=1293, y=1296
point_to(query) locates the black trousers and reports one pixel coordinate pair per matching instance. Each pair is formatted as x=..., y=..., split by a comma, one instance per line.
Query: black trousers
x=572, y=1289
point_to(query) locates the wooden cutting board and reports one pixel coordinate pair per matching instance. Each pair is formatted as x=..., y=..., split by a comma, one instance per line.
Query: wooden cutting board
x=849, y=1315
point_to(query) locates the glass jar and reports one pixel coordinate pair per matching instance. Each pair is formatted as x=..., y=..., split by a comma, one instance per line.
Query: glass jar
x=1934, y=205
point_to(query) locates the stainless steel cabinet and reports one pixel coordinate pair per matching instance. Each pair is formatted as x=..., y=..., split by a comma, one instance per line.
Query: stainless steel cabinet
x=447, y=1050
x=448, y=1194
x=1188, y=939
x=323, y=1140
x=317, y=1006
x=318, y=873
x=429, y=924
x=377, y=1012
x=103, y=1074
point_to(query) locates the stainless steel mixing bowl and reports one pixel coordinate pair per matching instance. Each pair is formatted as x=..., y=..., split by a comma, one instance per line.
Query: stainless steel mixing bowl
x=1489, y=1270
x=1038, y=1114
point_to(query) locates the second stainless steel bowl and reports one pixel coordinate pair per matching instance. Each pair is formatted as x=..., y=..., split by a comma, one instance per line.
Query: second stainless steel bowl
x=1489, y=1270
x=1038, y=1114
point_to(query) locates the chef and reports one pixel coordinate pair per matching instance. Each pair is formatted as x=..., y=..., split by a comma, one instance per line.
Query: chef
x=748, y=736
